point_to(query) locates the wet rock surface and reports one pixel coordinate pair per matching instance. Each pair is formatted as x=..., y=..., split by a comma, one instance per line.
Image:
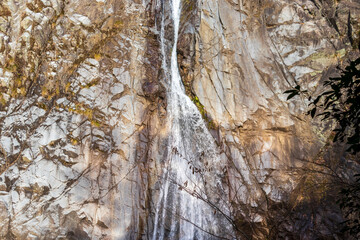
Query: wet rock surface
x=82, y=109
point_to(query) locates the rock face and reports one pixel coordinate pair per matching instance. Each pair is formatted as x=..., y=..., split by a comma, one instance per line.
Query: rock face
x=245, y=54
x=83, y=106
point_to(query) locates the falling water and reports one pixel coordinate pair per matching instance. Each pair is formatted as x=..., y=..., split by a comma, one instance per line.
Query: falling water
x=183, y=210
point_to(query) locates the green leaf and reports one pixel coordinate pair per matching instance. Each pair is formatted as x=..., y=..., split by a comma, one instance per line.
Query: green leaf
x=292, y=95
x=290, y=91
x=313, y=111
x=327, y=93
x=317, y=100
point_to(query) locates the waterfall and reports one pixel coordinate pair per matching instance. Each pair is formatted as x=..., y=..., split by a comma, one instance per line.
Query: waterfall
x=182, y=210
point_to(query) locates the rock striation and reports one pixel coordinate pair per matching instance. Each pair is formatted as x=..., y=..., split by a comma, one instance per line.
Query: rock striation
x=83, y=107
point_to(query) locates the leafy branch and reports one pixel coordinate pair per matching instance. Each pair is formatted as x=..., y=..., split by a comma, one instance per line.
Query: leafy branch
x=340, y=103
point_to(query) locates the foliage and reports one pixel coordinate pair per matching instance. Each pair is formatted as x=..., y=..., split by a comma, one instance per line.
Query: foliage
x=341, y=103
x=205, y=116
x=350, y=204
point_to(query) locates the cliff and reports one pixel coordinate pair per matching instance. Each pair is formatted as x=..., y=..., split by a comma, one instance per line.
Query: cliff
x=84, y=106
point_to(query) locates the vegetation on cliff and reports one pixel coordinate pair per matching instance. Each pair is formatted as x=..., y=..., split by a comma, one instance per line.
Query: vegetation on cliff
x=341, y=104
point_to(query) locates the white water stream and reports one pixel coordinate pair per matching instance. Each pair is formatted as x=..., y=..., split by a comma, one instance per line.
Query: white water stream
x=179, y=214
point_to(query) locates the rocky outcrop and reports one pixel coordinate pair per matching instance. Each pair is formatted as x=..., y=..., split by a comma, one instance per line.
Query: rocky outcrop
x=83, y=105
x=72, y=113
x=245, y=54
